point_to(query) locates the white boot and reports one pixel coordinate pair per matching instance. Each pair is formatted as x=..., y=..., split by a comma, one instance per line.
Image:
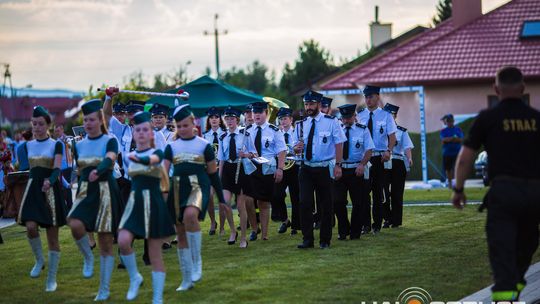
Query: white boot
x=106, y=268
x=84, y=248
x=54, y=260
x=158, y=282
x=194, y=241
x=135, y=278
x=35, y=244
x=186, y=267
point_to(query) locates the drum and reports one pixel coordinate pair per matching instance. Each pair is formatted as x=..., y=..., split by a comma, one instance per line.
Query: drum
x=15, y=185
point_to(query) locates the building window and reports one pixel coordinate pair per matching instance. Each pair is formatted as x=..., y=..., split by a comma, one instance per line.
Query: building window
x=530, y=29
x=493, y=100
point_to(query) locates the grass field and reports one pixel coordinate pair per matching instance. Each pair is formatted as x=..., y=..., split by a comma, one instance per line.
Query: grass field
x=441, y=195
x=438, y=248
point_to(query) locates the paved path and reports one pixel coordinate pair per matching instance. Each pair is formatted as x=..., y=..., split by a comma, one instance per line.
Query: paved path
x=530, y=294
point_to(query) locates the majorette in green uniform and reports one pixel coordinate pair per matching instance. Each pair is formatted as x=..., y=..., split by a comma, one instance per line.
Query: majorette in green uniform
x=43, y=204
x=146, y=214
x=194, y=173
x=96, y=205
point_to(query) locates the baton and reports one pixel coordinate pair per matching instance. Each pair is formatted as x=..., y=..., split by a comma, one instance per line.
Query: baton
x=237, y=173
x=181, y=93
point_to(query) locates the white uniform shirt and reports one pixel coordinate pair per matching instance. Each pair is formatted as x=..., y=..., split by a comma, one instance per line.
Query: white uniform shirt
x=403, y=141
x=272, y=140
x=328, y=133
x=383, y=125
x=359, y=142
x=240, y=140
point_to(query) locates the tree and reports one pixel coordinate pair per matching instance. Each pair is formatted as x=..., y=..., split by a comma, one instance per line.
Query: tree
x=313, y=62
x=444, y=11
x=254, y=78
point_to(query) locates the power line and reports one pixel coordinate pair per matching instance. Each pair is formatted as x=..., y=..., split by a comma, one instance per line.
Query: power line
x=216, y=34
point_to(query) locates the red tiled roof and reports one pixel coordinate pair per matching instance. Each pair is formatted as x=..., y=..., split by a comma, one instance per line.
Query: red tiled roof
x=19, y=109
x=472, y=52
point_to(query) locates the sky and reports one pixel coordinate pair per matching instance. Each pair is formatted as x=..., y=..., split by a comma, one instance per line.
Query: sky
x=73, y=44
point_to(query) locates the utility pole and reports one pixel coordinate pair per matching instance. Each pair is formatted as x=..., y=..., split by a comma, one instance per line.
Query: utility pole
x=216, y=34
x=7, y=75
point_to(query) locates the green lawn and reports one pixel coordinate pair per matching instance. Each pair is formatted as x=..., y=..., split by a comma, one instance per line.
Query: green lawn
x=441, y=195
x=439, y=249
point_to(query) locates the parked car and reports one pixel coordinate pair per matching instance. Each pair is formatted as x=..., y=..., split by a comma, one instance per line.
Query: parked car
x=481, y=167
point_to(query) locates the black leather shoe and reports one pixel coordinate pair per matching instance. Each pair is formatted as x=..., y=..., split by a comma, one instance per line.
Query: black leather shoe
x=395, y=226
x=342, y=237
x=120, y=266
x=166, y=246
x=324, y=246
x=386, y=224
x=366, y=230
x=376, y=231
x=253, y=236
x=294, y=232
x=283, y=227
x=233, y=242
x=305, y=245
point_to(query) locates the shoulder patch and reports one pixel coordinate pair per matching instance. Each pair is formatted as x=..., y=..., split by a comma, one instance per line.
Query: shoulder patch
x=243, y=131
x=273, y=127
x=206, y=132
x=329, y=116
x=402, y=128
x=360, y=126
x=361, y=109
x=247, y=128
x=223, y=129
x=223, y=136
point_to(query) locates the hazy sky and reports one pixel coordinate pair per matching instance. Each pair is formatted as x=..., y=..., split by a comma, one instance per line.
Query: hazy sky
x=73, y=44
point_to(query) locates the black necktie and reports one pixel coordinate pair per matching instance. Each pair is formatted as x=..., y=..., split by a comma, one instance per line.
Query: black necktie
x=258, y=139
x=232, y=147
x=215, y=138
x=286, y=138
x=309, y=148
x=370, y=124
x=346, y=145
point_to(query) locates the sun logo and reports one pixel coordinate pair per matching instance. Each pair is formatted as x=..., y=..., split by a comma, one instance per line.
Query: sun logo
x=414, y=295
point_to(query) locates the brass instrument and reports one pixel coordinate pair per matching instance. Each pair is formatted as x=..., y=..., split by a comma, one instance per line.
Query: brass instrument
x=290, y=159
x=215, y=146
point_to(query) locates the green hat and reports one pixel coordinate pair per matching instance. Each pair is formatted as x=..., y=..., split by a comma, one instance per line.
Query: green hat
x=40, y=111
x=91, y=106
x=141, y=117
x=182, y=112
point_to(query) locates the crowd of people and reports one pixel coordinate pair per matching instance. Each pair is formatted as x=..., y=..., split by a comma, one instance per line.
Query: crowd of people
x=148, y=175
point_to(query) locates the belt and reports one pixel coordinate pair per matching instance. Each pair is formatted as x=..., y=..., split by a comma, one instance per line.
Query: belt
x=377, y=153
x=233, y=161
x=325, y=163
x=398, y=156
x=349, y=165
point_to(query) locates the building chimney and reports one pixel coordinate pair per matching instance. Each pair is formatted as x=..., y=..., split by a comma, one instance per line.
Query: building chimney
x=380, y=32
x=465, y=11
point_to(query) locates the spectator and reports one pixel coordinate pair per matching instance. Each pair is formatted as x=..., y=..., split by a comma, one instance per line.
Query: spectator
x=22, y=153
x=451, y=138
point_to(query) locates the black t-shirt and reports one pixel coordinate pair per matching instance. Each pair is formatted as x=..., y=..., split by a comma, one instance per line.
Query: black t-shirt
x=510, y=133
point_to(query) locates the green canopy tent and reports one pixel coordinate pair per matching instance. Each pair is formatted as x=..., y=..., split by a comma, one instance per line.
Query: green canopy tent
x=206, y=92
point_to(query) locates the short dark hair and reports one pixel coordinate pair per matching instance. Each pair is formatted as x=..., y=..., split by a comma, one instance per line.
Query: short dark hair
x=509, y=76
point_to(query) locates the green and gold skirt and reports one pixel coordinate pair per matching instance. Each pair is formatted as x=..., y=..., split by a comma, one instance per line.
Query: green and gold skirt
x=47, y=209
x=188, y=190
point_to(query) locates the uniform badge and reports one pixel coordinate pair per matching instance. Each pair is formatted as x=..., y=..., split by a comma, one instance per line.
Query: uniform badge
x=381, y=130
x=357, y=145
x=266, y=144
x=324, y=140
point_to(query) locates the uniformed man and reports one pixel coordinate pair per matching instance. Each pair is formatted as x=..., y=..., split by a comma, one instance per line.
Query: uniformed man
x=119, y=111
x=382, y=127
x=510, y=133
x=290, y=179
x=269, y=142
x=159, y=120
x=357, y=150
x=395, y=176
x=326, y=105
x=320, y=141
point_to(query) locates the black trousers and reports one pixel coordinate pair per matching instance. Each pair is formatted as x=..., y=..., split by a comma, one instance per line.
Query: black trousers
x=355, y=186
x=393, y=192
x=512, y=229
x=279, y=208
x=311, y=178
x=377, y=181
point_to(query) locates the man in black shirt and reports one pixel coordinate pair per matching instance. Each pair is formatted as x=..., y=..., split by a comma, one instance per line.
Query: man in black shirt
x=510, y=133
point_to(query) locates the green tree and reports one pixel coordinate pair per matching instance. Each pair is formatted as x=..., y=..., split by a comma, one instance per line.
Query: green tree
x=254, y=78
x=444, y=11
x=313, y=62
